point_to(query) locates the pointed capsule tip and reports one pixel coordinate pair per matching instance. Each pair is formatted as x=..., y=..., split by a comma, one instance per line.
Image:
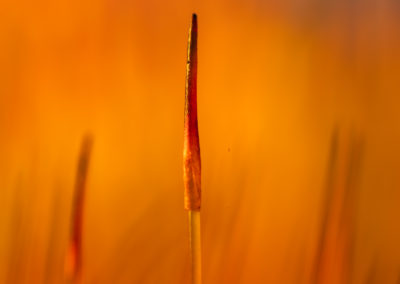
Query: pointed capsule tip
x=194, y=22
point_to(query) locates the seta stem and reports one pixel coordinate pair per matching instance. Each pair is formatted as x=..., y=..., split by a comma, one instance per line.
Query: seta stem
x=195, y=245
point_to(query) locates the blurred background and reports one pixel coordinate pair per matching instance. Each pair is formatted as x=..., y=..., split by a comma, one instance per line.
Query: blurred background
x=299, y=120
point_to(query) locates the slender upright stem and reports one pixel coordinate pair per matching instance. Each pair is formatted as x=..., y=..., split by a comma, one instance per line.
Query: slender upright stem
x=73, y=261
x=195, y=245
x=191, y=155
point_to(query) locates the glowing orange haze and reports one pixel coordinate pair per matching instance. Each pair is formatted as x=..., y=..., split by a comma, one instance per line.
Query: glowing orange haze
x=274, y=82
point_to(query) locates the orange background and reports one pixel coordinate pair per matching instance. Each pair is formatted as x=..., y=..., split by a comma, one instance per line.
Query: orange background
x=276, y=78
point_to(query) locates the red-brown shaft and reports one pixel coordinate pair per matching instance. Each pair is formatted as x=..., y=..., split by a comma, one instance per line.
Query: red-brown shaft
x=191, y=147
x=74, y=253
